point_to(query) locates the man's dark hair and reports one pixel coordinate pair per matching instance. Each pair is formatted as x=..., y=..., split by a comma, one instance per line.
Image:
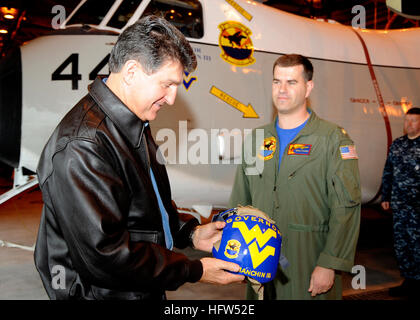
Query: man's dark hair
x=291, y=60
x=152, y=41
x=413, y=111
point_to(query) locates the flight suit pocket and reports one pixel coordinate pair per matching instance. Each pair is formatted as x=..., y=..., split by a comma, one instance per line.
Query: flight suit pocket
x=308, y=227
x=347, y=188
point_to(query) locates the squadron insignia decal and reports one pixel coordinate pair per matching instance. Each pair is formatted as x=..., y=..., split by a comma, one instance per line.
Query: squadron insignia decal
x=235, y=42
x=267, y=149
x=232, y=249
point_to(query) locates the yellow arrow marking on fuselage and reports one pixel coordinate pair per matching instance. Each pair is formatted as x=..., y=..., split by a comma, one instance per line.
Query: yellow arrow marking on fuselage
x=241, y=10
x=248, y=111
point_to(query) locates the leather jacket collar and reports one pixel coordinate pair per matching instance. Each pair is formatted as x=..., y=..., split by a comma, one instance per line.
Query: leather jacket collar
x=126, y=121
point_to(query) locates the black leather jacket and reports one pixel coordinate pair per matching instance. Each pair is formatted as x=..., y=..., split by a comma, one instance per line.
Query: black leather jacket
x=101, y=233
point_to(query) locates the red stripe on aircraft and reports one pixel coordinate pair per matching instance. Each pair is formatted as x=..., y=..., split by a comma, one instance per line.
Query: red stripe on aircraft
x=382, y=108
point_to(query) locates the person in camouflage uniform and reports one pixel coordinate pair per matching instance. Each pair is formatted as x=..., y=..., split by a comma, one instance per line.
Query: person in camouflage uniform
x=401, y=192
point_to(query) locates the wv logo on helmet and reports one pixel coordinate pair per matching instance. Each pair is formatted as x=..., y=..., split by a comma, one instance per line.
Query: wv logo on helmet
x=253, y=243
x=260, y=238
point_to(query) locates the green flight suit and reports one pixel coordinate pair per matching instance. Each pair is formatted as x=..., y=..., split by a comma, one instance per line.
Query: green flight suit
x=314, y=198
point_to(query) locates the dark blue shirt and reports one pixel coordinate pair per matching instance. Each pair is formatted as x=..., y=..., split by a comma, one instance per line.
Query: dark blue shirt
x=286, y=136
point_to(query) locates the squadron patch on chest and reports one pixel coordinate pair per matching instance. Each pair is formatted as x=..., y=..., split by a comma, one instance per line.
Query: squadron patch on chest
x=299, y=149
x=267, y=149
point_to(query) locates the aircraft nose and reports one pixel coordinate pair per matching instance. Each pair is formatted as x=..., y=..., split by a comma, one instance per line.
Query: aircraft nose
x=10, y=107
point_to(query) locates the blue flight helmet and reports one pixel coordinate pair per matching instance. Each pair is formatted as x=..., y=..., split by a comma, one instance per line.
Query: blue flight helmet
x=252, y=242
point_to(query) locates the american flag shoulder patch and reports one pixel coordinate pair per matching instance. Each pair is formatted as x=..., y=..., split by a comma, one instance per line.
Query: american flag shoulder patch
x=348, y=152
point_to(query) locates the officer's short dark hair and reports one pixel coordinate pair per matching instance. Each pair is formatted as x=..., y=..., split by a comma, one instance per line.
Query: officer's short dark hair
x=152, y=41
x=413, y=111
x=291, y=60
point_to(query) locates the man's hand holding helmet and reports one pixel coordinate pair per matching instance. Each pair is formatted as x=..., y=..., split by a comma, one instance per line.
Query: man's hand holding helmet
x=215, y=271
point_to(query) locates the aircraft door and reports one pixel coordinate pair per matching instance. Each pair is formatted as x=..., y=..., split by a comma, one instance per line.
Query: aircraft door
x=10, y=108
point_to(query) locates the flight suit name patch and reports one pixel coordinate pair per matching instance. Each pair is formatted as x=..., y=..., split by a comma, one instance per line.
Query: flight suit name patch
x=299, y=149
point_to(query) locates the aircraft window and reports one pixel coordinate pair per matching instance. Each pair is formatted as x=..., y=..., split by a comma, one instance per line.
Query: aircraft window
x=186, y=15
x=91, y=12
x=124, y=12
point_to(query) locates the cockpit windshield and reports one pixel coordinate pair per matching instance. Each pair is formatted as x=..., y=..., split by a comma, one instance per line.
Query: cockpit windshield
x=91, y=12
x=186, y=15
x=124, y=12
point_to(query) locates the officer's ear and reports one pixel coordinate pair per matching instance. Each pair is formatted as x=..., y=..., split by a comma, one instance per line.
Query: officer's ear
x=130, y=71
x=309, y=87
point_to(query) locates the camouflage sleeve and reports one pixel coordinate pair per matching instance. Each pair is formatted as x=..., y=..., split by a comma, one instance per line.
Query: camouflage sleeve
x=387, y=177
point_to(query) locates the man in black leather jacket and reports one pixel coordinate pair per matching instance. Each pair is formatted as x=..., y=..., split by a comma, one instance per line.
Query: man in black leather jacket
x=108, y=224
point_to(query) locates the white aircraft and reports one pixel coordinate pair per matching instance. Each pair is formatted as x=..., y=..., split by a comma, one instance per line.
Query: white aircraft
x=365, y=80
